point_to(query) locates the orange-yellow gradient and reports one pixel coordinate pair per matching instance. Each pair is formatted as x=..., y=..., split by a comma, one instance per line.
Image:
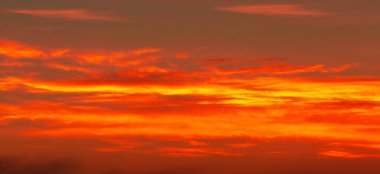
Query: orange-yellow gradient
x=190, y=87
x=143, y=99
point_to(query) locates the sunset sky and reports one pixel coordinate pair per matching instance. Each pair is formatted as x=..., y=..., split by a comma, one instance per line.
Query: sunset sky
x=189, y=87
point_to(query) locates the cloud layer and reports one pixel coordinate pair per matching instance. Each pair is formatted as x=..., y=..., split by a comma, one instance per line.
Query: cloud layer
x=273, y=9
x=70, y=93
x=70, y=14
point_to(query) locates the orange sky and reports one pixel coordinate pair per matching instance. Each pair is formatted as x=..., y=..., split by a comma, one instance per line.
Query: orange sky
x=189, y=87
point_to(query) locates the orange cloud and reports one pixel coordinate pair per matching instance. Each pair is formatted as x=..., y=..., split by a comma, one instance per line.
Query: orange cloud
x=195, y=152
x=116, y=58
x=343, y=154
x=233, y=115
x=276, y=9
x=130, y=94
x=182, y=56
x=281, y=69
x=316, y=68
x=146, y=51
x=187, y=112
x=59, y=52
x=72, y=14
x=123, y=58
x=68, y=68
x=14, y=49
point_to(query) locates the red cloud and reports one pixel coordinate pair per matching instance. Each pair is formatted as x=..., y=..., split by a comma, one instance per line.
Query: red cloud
x=72, y=14
x=277, y=9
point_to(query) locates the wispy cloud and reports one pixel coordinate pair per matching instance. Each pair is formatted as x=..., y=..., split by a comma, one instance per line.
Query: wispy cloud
x=287, y=69
x=195, y=152
x=273, y=9
x=343, y=154
x=69, y=14
x=14, y=49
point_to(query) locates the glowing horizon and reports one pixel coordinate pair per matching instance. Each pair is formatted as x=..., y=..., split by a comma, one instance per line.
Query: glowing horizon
x=119, y=81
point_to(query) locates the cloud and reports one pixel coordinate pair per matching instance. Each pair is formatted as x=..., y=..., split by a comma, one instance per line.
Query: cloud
x=343, y=154
x=14, y=49
x=67, y=67
x=286, y=69
x=78, y=59
x=146, y=51
x=182, y=55
x=70, y=14
x=273, y=9
x=116, y=58
x=134, y=93
x=195, y=152
x=18, y=50
x=59, y=52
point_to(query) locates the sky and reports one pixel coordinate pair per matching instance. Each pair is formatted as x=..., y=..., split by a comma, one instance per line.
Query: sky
x=189, y=86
